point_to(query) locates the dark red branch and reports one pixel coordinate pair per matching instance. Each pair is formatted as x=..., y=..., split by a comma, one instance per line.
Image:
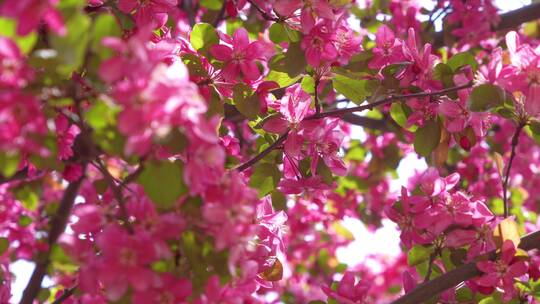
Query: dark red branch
x=430, y=289
x=341, y=112
x=58, y=225
x=508, y=21
x=515, y=140
x=388, y=100
x=265, y=152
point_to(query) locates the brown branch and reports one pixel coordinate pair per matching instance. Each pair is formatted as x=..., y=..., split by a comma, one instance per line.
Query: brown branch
x=265, y=152
x=317, y=104
x=220, y=16
x=58, y=225
x=341, y=112
x=21, y=174
x=67, y=293
x=187, y=7
x=388, y=100
x=117, y=192
x=367, y=122
x=515, y=140
x=264, y=14
x=430, y=289
x=508, y=20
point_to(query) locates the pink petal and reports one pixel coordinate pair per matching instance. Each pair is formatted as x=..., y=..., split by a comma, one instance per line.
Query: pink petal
x=221, y=52
x=276, y=125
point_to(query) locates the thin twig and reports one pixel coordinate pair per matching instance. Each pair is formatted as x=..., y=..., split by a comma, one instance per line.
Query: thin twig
x=317, y=104
x=21, y=174
x=430, y=289
x=388, y=100
x=187, y=7
x=117, y=192
x=515, y=140
x=430, y=266
x=341, y=112
x=262, y=12
x=58, y=225
x=67, y=293
x=265, y=152
x=220, y=16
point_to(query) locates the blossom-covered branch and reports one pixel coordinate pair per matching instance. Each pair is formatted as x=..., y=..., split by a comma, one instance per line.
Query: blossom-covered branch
x=429, y=289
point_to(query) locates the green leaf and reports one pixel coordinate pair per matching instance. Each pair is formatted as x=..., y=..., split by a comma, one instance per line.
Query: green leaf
x=427, y=137
x=211, y=4
x=418, y=254
x=462, y=59
x=194, y=65
x=282, y=79
x=265, y=178
x=105, y=25
x=445, y=74
x=353, y=89
x=4, y=245
x=356, y=152
x=28, y=197
x=246, y=101
x=535, y=127
x=324, y=172
x=294, y=60
x=8, y=28
x=71, y=48
x=398, y=115
x=203, y=36
x=343, y=231
x=163, y=182
x=278, y=33
x=485, y=97
x=308, y=84
x=99, y=115
x=9, y=162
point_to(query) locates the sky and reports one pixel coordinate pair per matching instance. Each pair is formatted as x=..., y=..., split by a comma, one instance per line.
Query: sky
x=383, y=241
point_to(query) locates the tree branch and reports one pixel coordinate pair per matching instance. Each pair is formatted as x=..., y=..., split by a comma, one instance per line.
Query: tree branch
x=430, y=289
x=341, y=112
x=262, y=12
x=388, y=100
x=265, y=152
x=21, y=174
x=515, y=140
x=117, y=192
x=67, y=293
x=508, y=20
x=58, y=225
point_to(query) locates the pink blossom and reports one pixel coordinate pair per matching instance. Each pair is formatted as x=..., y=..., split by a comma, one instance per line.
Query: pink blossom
x=14, y=71
x=502, y=272
x=148, y=12
x=240, y=59
x=348, y=291
x=168, y=289
x=294, y=107
x=387, y=49
x=318, y=45
x=125, y=259
x=29, y=14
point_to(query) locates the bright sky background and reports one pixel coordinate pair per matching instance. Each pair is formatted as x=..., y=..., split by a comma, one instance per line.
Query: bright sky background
x=383, y=241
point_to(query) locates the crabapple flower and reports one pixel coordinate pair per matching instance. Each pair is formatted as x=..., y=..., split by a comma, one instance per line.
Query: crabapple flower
x=239, y=58
x=502, y=272
x=348, y=291
x=388, y=49
x=148, y=12
x=30, y=13
x=318, y=44
x=14, y=71
x=294, y=107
